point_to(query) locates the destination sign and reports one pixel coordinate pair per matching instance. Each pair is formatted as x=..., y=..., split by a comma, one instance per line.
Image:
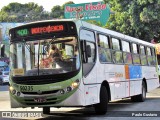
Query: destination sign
x=44, y=29
x=40, y=30
x=47, y=29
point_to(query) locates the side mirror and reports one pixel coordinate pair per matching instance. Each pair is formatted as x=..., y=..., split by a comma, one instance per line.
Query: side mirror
x=88, y=47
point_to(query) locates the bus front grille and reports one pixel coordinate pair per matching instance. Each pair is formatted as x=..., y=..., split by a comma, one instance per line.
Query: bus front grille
x=43, y=92
x=36, y=82
x=32, y=100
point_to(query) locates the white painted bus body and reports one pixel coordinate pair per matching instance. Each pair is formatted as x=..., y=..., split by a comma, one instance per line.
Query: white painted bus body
x=120, y=87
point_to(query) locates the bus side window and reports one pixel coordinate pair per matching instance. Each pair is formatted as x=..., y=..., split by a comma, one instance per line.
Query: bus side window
x=135, y=55
x=103, y=49
x=143, y=55
x=153, y=56
x=116, y=52
x=149, y=56
x=126, y=52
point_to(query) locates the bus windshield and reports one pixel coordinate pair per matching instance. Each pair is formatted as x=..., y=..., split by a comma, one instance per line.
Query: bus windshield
x=44, y=57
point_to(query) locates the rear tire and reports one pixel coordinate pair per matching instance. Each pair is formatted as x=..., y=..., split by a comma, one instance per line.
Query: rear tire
x=141, y=97
x=46, y=110
x=101, y=108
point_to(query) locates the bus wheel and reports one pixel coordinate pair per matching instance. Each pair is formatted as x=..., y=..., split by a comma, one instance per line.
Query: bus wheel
x=101, y=108
x=46, y=110
x=141, y=97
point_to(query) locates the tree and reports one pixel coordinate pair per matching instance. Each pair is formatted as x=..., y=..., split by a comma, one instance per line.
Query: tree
x=16, y=12
x=66, y=3
x=58, y=11
x=137, y=18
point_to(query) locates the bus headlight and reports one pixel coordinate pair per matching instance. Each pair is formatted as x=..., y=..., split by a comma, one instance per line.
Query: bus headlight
x=75, y=84
x=12, y=90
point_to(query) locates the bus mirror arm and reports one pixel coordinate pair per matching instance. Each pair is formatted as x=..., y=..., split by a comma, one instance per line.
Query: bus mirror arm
x=84, y=51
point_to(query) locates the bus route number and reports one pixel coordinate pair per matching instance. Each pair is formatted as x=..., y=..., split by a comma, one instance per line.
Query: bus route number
x=26, y=88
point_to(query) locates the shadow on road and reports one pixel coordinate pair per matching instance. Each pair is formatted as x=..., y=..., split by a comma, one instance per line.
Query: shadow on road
x=4, y=87
x=114, y=109
x=121, y=108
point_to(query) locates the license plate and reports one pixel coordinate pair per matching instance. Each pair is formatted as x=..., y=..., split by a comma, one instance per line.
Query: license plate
x=40, y=100
x=26, y=88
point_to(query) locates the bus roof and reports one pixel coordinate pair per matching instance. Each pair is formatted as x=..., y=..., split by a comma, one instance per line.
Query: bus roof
x=96, y=28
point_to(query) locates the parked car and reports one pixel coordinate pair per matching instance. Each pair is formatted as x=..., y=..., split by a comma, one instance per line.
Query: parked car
x=3, y=66
x=4, y=77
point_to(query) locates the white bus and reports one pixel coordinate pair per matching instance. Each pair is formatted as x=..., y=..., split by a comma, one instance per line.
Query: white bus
x=96, y=66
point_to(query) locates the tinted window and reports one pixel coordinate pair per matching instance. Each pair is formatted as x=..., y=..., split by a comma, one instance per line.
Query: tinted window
x=93, y=54
x=87, y=35
x=135, y=48
x=103, y=41
x=135, y=55
x=115, y=44
x=148, y=51
x=103, y=49
x=104, y=55
x=125, y=46
x=142, y=50
x=117, y=56
x=143, y=55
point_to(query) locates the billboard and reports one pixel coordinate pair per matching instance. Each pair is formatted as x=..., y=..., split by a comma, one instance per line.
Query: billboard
x=97, y=11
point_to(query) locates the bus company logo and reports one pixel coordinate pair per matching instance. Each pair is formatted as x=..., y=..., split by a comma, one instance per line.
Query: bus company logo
x=39, y=92
x=118, y=74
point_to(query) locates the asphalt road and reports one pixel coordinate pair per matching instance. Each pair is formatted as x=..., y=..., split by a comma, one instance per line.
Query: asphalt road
x=117, y=110
x=3, y=88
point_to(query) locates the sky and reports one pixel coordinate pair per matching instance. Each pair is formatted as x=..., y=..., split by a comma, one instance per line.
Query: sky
x=47, y=4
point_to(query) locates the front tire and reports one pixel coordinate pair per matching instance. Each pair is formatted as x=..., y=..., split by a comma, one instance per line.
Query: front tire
x=46, y=110
x=141, y=97
x=101, y=108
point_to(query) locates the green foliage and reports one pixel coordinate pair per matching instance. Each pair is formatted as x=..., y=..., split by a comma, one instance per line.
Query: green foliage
x=57, y=12
x=95, y=23
x=69, y=2
x=17, y=12
x=137, y=18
